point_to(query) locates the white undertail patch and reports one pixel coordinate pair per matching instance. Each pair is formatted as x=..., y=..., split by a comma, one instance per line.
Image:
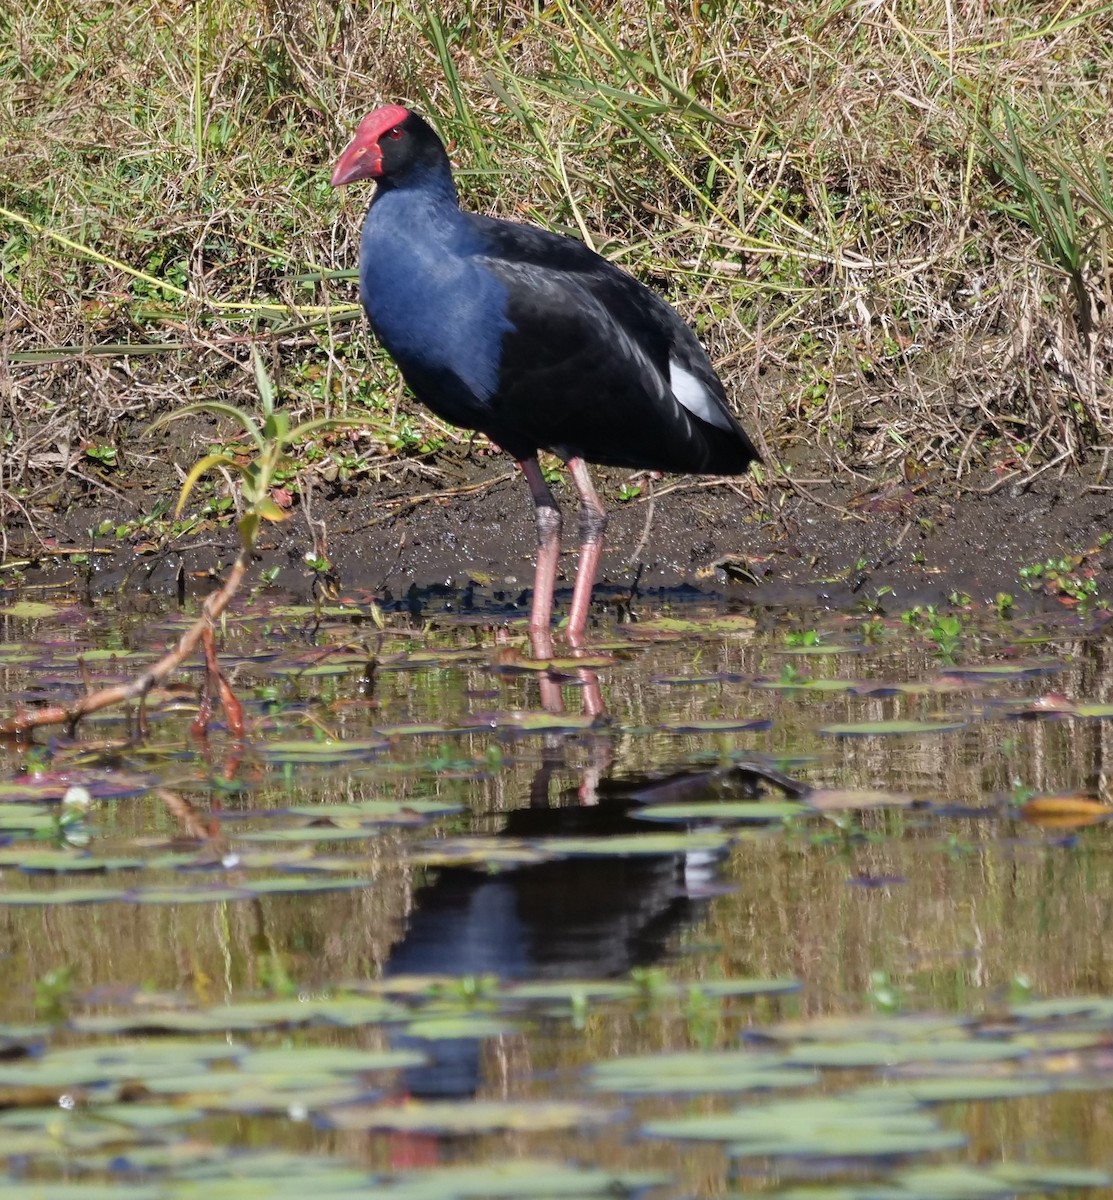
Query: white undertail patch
x=696, y=398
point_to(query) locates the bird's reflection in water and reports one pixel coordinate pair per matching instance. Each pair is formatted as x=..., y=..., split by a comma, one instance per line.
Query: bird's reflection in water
x=573, y=918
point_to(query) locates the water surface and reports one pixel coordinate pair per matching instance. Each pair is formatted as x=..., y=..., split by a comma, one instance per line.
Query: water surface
x=780, y=822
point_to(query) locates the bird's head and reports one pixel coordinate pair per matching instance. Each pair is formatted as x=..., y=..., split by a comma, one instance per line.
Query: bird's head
x=389, y=143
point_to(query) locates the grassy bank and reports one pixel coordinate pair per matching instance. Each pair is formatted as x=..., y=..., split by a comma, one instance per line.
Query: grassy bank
x=891, y=223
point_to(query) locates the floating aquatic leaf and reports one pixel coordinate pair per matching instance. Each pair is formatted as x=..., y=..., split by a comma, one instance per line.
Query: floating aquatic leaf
x=716, y=725
x=960, y=1089
x=1038, y=1176
x=516, y=1179
x=205, y=1171
x=1011, y=670
x=252, y=1090
x=66, y=862
x=695, y=680
x=1093, y=710
x=958, y=1182
x=893, y=1053
x=377, y=810
x=62, y=1070
x=346, y=1060
x=336, y=664
x=565, y=665
x=433, y=657
x=724, y=810
x=711, y=1071
x=313, y=833
x=60, y=896
x=422, y=729
x=12, y=1036
x=902, y=1027
x=530, y=722
x=472, y=1117
x=42, y=1190
x=572, y=991
x=436, y=1027
x=28, y=609
x=595, y=990
x=925, y=687
x=825, y=1127
x=52, y=786
x=309, y=751
x=290, y=1095
x=16, y=817
x=194, y=893
x=343, y=1011
x=621, y=845
x=486, y=852
x=737, y=988
x=147, y=1116
x=809, y=685
x=962, y=1182
x=97, y=656
x=1064, y=1009
x=890, y=728
x=15, y=651
x=316, y=610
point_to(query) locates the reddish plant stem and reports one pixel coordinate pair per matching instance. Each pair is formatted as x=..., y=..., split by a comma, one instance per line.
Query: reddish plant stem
x=216, y=684
x=120, y=693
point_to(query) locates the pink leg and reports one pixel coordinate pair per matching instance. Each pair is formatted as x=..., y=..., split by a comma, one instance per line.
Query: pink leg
x=548, y=558
x=593, y=524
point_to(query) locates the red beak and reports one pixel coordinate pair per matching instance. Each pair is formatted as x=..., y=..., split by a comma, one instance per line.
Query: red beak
x=362, y=159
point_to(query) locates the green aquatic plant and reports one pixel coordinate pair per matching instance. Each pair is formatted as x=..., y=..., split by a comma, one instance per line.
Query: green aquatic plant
x=1070, y=578
x=271, y=440
x=54, y=993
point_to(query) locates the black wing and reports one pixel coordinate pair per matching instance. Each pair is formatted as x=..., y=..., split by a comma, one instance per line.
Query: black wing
x=599, y=367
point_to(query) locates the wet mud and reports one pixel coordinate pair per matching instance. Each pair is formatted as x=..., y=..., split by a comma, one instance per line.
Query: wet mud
x=833, y=545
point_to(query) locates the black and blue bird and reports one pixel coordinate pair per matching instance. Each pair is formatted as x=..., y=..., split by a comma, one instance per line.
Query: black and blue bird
x=532, y=339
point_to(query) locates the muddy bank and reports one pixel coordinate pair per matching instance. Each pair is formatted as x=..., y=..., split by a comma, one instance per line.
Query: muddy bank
x=828, y=545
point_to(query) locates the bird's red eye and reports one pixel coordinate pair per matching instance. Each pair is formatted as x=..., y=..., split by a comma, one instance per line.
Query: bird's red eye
x=395, y=133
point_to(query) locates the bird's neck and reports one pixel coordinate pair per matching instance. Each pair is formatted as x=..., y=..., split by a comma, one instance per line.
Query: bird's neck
x=431, y=188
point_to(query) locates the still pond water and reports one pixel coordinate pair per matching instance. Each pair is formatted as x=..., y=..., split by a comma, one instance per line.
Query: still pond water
x=818, y=905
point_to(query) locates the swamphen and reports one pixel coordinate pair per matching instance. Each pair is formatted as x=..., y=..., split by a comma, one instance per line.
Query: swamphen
x=533, y=339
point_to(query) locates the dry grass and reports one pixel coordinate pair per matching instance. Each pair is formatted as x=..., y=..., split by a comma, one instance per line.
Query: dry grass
x=892, y=223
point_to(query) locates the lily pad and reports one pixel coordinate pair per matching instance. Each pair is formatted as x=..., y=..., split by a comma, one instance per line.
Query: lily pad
x=963, y=1182
x=717, y=725
x=894, y=1053
x=748, y=811
x=516, y=1179
x=30, y=818
x=961, y=1090
x=824, y=1127
x=343, y=1011
x=404, y=809
x=625, y=845
x=890, y=728
x=712, y=1071
x=29, y=609
x=310, y=751
x=530, y=722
